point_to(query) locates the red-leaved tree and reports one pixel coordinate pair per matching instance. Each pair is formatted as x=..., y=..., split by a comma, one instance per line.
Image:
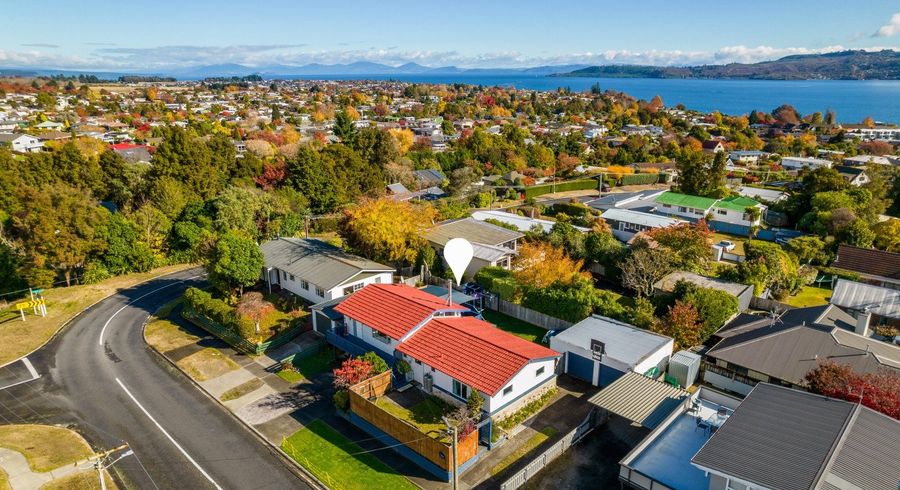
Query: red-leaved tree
x=879, y=391
x=351, y=372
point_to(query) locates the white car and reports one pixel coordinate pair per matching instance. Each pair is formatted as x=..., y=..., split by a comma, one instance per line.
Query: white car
x=727, y=245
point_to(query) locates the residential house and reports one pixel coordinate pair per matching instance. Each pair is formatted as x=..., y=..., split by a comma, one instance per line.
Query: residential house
x=797, y=163
x=866, y=299
x=683, y=205
x=522, y=223
x=863, y=160
x=429, y=178
x=766, y=195
x=600, y=350
x=743, y=292
x=21, y=143
x=644, y=201
x=873, y=266
x=625, y=223
x=777, y=438
x=713, y=146
x=856, y=176
x=746, y=157
x=451, y=353
x=733, y=209
x=318, y=271
x=782, y=349
x=493, y=245
x=50, y=125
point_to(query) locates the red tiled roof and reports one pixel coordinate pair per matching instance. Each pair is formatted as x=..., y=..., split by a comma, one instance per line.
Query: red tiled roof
x=392, y=309
x=473, y=351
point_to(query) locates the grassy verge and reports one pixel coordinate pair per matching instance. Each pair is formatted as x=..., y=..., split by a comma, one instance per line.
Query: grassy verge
x=4, y=481
x=527, y=331
x=165, y=335
x=207, y=364
x=426, y=415
x=81, y=480
x=810, y=296
x=18, y=338
x=241, y=390
x=44, y=446
x=338, y=462
x=308, y=367
x=530, y=445
x=290, y=376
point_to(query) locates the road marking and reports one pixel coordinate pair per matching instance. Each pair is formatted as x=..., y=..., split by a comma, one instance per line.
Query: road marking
x=103, y=330
x=33, y=372
x=171, y=439
x=30, y=368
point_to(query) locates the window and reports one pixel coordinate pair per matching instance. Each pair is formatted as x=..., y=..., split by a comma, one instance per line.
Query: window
x=540, y=371
x=304, y=284
x=358, y=286
x=377, y=280
x=682, y=209
x=381, y=337
x=320, y=292
x=721, y=211
x=460, y=390
x=283, y=275
x=508, y=389
x=667, y=206
x=347, y=290
x=733, y=485
x=292, y=277
x=418, y=362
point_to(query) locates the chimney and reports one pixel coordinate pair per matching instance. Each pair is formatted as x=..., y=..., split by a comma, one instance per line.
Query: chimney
x=862, y=322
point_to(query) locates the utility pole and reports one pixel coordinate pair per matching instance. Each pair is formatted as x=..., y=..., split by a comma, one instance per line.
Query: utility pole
x=453, y=450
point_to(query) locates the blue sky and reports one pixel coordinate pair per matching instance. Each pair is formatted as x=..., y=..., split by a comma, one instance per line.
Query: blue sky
x=99, y=34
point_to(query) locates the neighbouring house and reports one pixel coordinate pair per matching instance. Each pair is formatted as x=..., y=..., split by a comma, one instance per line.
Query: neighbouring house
x=767, y=195
x=713, y=146
x=743, y=292
x=746, y=157
x=132, y=153
x=784, y=439
x=873, y=266
x=21, y=143
x=686, y=206
x=797, y=163
x=643, y=201
x=625, y=223
x=51, y=125
x=429, y=178
x=863, y=160
x=600, y=350
x=522, y=223
x=861, y=299
x=450, y=351
x=856, y=176
x=733, y=209
x=318, y=271
x=782, y=349
x=493, y=245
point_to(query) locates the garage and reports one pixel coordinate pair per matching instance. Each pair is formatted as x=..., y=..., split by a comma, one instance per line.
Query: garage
x=600, y=350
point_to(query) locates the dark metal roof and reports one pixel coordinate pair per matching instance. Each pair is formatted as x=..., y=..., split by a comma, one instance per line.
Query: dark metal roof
x=318, y=262
x=788, y=439
x=472, y=230
x=868, y=261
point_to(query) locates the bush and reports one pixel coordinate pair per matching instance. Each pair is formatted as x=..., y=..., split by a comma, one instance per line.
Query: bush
x=219, y=312
x=714, y=306
x=639, y=179
x=342, y=400
x=378, y=364
x=528, y=410
x=499, y=281
x=94, y=272
x=572, y=185
x=570, y=303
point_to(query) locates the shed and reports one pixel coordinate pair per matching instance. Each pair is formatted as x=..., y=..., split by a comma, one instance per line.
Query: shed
x=600, y=350
x=684, y=367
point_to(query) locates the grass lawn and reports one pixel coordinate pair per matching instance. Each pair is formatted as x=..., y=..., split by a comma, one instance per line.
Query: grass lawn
x=738, y=241
x=165, y=335
x=523, y=450
x=337, y=461
x=810, y=296
x=207, y=364
x=4, y=481
x=81, y=480
x=626, y=301
x=241, y=390
x=527, y=331
x=18, y=338
x=426, y=415
x=308, y=367
x=44, y=446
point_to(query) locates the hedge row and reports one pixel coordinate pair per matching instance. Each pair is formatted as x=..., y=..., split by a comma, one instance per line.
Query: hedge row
x=572, y=185
x=219, y=312
x=498, y=281
x=639, y=179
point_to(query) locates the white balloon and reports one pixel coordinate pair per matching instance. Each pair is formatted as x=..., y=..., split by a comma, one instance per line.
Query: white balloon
x=458, y=253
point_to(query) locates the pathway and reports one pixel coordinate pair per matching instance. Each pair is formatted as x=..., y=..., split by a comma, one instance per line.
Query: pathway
x=21, y=475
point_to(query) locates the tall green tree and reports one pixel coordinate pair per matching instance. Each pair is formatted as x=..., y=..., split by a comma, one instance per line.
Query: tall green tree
x=234, y=263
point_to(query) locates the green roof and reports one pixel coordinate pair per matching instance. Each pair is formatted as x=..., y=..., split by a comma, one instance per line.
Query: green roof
x=736, y=203
x=675, y=199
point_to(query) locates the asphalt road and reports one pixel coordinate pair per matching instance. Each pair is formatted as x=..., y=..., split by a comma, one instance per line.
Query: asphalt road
x=100, y=377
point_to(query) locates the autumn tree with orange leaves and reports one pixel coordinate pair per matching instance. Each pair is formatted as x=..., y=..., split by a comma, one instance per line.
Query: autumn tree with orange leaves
x=541, y=264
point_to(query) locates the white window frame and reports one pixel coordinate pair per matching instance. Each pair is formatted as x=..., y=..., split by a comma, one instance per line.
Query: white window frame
x=460, y=389
x=539, y=371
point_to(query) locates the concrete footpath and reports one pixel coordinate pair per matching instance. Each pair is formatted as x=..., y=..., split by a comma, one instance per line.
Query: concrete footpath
x=21, y=476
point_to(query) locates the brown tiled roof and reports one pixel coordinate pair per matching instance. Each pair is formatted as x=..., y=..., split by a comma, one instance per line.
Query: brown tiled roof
x=868, y=261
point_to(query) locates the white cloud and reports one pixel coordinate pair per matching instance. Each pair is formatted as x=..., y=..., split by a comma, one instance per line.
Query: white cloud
x=183, y=56
x=892, y=28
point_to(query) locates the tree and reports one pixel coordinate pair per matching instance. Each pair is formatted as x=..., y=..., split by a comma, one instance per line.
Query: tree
x=700, y=176
x=682, y=323
x=887, y=235
x=808, y=249
x=687, y=243
x=767, y=265
x=378, y=364
x=254, y=307
x=879, y=391
x=714, y=306
x=234, y=263
x=643, y=267
x=124, y=250
x=344, y=127
x=386, y=230
x=541, y=264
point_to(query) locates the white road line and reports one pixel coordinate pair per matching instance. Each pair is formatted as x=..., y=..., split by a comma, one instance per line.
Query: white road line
x=103, y=330
x=172, y=440
x=30, y=368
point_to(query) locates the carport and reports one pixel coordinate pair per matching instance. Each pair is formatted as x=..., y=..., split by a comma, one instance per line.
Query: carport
x=640, y=399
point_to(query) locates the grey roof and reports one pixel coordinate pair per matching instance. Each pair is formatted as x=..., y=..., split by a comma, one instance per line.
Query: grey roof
x=624, y=343
x=668, y=283
x=788, y=439
x=458, y=296
x=626, y=200
x=640, y=399
x=860, y=296
x=523, y=223
x=429, y=177
x=472, y=230
x=789, y=348
x=327, y=307
x=318, y=262
x=397, y=188
x=769, y=195
x=639, y=218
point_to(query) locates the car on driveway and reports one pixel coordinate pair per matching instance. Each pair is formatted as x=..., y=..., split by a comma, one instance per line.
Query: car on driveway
x=728, y=245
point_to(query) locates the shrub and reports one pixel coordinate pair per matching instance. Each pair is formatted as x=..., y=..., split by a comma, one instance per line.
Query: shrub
x=474, y=403
x=342, y=400
x=639, y=179
x=714, y=306
x=378, y=364
x=498, y=281
x=570, y=303
x=528, y=410
x=94, y=272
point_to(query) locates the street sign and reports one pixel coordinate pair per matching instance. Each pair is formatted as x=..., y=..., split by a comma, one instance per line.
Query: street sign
x=597, y=349
x=29, y=304
x=37, y=291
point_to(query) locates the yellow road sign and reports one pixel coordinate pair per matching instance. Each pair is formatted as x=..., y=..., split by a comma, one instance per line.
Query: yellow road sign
x=29, y=304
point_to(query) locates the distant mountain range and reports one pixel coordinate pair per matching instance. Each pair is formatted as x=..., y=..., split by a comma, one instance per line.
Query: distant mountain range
x=842, y=65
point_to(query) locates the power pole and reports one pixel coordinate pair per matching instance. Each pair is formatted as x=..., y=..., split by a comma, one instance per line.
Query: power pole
x=453, y=449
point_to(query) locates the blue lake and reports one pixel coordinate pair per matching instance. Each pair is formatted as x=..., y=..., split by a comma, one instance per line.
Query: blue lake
x=852, y=100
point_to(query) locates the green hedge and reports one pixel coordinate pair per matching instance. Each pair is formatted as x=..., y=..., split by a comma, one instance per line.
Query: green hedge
x=572, y=185
x=639, y=179
x=498, y=281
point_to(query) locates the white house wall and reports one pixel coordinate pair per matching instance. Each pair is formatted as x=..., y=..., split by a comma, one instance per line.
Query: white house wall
x=656, y=359
x=364, y=333
x=522, y=383
x=295, y=285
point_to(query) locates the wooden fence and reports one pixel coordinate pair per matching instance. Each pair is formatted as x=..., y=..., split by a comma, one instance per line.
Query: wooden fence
x=526, y=314
x=553, y=452
x=406, y=433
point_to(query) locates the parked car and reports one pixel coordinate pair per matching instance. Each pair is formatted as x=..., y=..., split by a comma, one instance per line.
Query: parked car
x=728, y=245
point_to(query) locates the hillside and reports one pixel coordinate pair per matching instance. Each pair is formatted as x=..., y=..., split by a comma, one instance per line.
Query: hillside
x=843, y=65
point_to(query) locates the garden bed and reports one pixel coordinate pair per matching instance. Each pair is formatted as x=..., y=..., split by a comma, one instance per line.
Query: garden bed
x=424, y=412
